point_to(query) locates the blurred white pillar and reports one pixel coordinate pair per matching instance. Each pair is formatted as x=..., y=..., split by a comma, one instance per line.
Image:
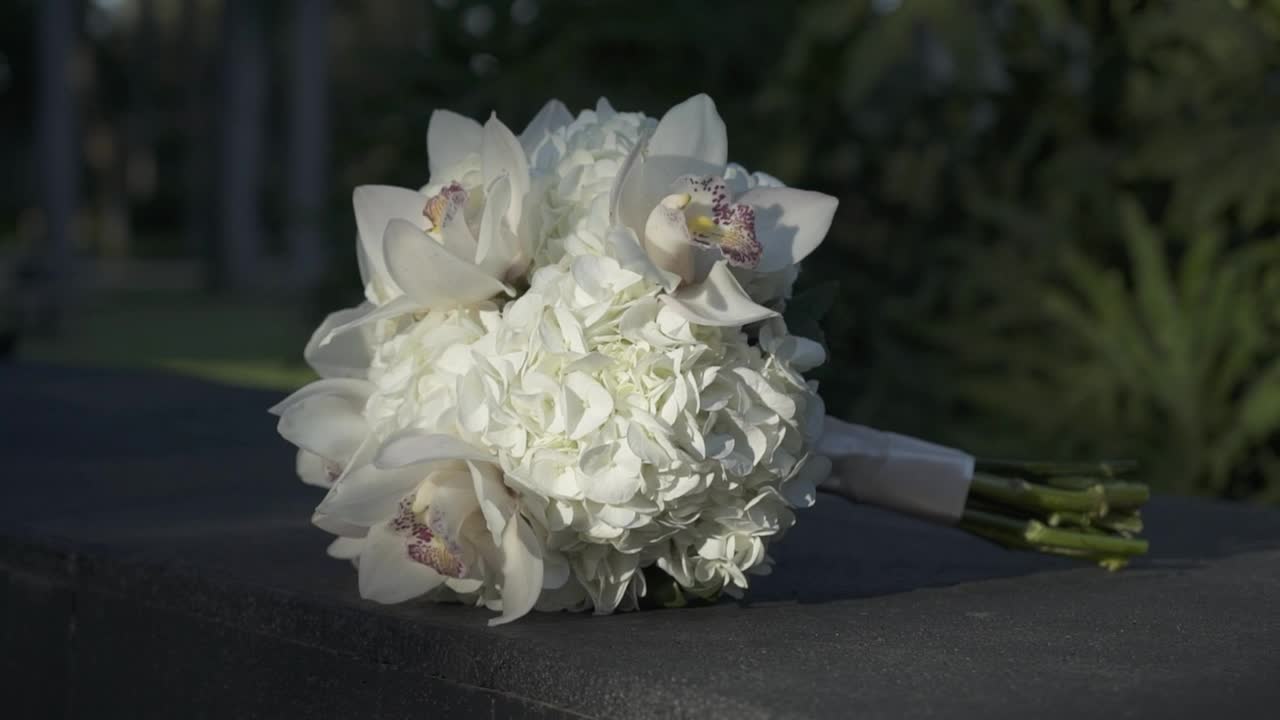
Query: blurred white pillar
x=198, y=212
x=244, y=85
x=57, y=155
x=308, y=156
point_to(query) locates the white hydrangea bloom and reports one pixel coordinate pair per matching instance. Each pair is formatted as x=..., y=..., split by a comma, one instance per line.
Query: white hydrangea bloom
x=577, y=166
x=631, y=435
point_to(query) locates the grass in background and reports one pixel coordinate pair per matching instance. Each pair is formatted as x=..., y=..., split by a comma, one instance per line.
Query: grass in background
x=251, y=343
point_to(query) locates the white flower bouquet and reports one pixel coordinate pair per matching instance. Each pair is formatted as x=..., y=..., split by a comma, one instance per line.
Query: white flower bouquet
x=570, y=385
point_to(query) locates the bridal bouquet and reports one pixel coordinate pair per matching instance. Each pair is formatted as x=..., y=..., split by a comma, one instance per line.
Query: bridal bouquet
x=570, y=385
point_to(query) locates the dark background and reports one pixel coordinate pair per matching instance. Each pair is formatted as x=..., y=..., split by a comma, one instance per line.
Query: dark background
x=1058, y=232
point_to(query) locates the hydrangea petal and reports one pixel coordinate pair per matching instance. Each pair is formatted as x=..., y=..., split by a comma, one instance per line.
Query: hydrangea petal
x=553, y=116
x=801, y=489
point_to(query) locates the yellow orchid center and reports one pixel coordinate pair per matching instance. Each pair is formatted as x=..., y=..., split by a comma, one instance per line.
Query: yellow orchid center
x=441, y=207
x=714, y=221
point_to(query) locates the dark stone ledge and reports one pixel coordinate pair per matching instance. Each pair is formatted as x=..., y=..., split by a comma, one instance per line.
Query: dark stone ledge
x=156, y=561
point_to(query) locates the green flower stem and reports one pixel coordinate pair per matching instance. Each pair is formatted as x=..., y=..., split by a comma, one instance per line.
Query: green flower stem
x=1039, y=536
x=1120, y=494
x=1081, y=510
x=1036, y=497
x=1069, y=519
x=1108, y=469
x=1126, y=523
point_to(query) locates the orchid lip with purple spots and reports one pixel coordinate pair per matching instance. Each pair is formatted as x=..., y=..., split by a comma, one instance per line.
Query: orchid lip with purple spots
x=427, y=546
x=730, y=227
x=441, y=207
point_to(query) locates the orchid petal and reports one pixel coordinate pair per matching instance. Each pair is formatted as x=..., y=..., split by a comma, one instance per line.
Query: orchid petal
x=666, y=237
x=430, y=274
x=346, y=548
x=555, y=570
x=327, y=425
x=387, y=573
x=790, y=223
x=338, y=527
x=455, y=234
x=718, y=301
x=624, y=195
x=314, y=470
x=356, y=391
x=368, y=495
x=553, y=116
x=346, y=355
x=692, y=129
x=499, y=253
x=521, y=571
x=632, y=257
x=495, y=503
x=376, y=206
x=501, y=154
x=363, y=263
x=410, y=447
x=450, y=506
x=450, y=139
x=401, y=305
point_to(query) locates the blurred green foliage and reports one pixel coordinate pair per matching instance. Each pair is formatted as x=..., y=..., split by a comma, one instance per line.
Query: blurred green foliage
x=1061, y=226
x=1060, y=229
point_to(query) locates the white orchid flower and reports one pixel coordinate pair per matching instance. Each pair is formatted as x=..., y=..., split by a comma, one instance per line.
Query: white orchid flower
x=457, y=244
x=437, y=513
x=325, y=421
x=675, y=219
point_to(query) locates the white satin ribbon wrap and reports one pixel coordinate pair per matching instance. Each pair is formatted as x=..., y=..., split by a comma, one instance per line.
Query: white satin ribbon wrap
x=896, y=471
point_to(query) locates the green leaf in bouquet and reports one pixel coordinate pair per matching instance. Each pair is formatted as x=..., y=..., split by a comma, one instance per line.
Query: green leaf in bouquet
x=806, y=309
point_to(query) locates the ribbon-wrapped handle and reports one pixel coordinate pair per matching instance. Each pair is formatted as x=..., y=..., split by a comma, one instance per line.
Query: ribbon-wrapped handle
x=896, y=471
